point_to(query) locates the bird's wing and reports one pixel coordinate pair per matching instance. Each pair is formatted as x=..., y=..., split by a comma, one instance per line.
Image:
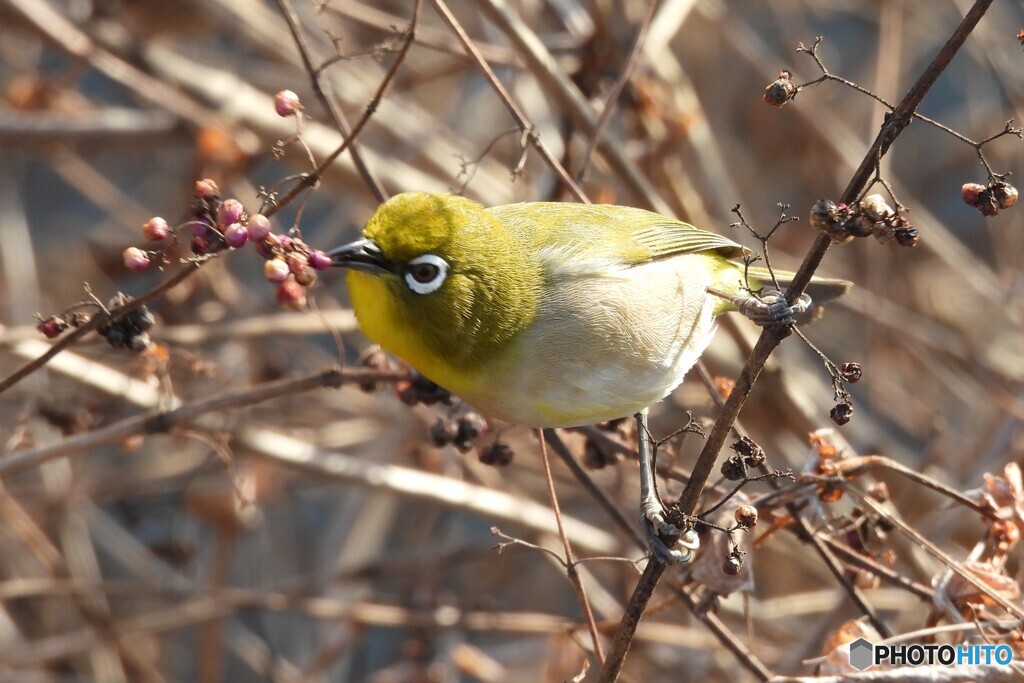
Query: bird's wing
x=621, y=234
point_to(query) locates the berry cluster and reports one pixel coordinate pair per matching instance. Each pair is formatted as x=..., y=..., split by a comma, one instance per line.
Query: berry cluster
x=129, y=331
x=219, y=224
x=870, y=216
x=462, y=431
x=989, y=199
x=748, y=455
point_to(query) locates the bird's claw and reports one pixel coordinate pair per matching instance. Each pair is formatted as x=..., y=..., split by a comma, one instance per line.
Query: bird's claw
x=771, y=308
x=657, y=528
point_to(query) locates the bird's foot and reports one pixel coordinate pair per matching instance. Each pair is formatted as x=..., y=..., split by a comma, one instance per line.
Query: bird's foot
x=657, y=529
x=771, y=308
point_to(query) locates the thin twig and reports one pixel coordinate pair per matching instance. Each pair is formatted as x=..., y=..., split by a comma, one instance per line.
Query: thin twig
x=570, y=564
x=613, y=96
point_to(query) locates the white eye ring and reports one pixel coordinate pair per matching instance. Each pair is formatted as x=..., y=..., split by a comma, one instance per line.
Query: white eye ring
x=425, y=274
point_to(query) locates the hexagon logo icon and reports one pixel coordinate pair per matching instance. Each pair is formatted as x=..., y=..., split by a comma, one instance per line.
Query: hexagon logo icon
x=862, y=654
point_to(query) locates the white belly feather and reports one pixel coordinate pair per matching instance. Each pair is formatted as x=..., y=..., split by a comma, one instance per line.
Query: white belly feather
x=606, y=346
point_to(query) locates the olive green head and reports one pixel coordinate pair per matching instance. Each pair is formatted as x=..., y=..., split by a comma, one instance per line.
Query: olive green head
x=439, y=281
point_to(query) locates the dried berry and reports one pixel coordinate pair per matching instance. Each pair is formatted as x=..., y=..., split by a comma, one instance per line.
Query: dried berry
x=594, y=457
x=444, y=431
x=422, y=390
x=207, y=188
x=135, y=259
x=275, y=270
x=471, y=425
x=733, y=468
x=753, y=455
x=156, y=229
x=291, y=294
x=746, y=516
x=971, y=192
x=306, y=277
x=258, y=226
x=875, y=207
x=297, y=262
x=851, y=372
x=286, y=103
x=236, y=235
x=1004, y=194
x=907, y=237
x=831, y=219
x=497, y=454
x=732, y=565
x=781, y=90
x=841, y=413
x=52, y=326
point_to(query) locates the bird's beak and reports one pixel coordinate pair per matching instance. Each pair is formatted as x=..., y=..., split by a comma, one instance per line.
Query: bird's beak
x=362, y=254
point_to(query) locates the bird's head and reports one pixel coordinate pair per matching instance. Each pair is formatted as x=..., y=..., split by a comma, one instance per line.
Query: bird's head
x=439, y=281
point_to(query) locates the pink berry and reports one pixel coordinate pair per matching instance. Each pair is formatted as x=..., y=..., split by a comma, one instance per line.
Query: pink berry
x=207, y=188
x=156, y=229
x=971, y=192
x=200, y=227
x=275, y=270
x=52, y=326
x=135, y=259
x=230, y=211
x=286, y=103
x=236, y=235
x=319, y=260
x=290, y=293
x=258, y=227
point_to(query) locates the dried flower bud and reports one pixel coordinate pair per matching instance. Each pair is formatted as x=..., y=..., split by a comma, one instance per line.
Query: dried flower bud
x=236, y=235
x=746, y=516
x=230, y=211
x=875, y=207
x=52, y=326
x=135, y=259
x=780, y=91
x=286, y=103
x=258, y=226
x=841, y=413
x=851, y=372
x=207, y=189
x=275, y=270
x=156, y=229
x=319, y=260
x=1005, y=194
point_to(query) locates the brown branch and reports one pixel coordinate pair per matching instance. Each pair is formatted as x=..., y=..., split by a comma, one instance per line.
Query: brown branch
x=772, y=336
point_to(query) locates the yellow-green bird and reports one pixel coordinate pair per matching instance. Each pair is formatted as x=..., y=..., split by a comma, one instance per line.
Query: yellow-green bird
x=552, y=314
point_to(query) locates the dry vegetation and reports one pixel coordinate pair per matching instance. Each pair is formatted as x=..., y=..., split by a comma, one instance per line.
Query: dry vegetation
x=227, y=505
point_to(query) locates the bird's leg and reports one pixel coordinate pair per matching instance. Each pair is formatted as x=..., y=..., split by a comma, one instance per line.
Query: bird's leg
x=768, y=309
x=652, y=510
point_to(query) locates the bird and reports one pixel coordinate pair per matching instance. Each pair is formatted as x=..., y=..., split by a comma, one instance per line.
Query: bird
x=556, y=314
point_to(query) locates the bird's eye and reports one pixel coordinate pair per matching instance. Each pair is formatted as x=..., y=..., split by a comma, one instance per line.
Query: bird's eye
x=425, y=274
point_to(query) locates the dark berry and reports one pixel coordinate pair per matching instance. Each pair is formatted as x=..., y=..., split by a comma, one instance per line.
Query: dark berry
x=851, y=372
x=497, y=453
x=733, y=468
x=841, y=413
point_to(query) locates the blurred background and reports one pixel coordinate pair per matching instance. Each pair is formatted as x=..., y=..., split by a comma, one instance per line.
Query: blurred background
x=319, y=535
